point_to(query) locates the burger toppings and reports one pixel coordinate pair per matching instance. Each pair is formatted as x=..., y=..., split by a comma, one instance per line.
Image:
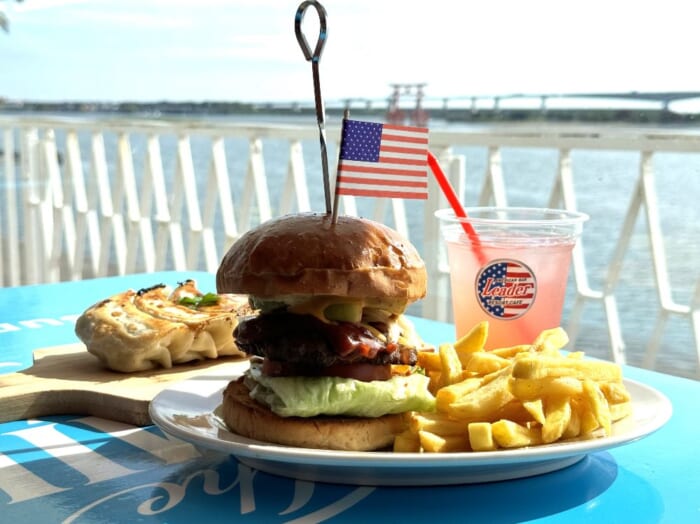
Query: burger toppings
x=304, y=344
x=359, y=371
x=303, y=338
x=313, y=396
x=330, y=308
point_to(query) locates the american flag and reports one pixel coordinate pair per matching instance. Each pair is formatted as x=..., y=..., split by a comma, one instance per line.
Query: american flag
x=506, y=288
x=383, y=160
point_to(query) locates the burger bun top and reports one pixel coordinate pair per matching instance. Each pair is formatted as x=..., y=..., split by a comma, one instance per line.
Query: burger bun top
x=306, y=254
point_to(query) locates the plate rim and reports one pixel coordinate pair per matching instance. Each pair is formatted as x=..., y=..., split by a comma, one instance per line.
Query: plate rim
x=240, y=446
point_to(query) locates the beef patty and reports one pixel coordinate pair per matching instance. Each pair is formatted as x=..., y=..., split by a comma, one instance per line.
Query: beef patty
x=306, y=341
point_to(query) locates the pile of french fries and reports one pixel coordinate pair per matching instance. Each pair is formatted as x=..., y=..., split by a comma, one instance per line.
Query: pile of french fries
x=514, y=397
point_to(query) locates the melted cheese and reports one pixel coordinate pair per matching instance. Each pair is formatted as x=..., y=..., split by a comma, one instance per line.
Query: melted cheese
x=386, y=311
x=317, y=306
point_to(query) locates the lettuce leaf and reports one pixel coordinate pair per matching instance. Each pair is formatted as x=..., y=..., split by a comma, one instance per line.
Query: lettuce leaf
x=312, y=396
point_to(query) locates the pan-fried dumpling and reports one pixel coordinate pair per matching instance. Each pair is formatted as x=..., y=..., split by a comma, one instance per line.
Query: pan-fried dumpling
x=159, y=327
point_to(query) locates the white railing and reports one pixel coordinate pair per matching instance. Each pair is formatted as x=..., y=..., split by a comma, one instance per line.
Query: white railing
x=90, y=197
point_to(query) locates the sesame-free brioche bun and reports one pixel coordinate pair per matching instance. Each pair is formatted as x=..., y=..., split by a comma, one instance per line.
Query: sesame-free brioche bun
x=250, y=419
x=306, y=254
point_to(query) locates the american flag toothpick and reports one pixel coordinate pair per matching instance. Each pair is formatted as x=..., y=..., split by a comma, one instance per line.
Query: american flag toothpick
x=383, y=160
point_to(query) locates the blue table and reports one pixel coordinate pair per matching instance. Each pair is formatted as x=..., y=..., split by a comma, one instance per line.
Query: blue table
x=85, y=469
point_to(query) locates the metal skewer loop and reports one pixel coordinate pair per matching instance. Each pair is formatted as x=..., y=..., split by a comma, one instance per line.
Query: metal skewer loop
x=315, y=57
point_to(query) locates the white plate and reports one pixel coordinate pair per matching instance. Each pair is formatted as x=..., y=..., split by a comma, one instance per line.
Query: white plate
x=186, y=411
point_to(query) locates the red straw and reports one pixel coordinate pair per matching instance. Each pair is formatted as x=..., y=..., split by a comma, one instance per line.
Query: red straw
x=456, y=206
x=451, y=196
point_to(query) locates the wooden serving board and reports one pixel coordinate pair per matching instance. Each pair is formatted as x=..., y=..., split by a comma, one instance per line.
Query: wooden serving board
x=68, y=380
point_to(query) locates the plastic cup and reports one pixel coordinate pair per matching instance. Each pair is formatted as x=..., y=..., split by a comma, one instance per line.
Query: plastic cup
x=513, y=273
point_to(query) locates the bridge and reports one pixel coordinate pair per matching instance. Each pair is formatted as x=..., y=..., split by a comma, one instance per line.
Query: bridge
x=656, y=96
x=409, y=103
x=663, y=98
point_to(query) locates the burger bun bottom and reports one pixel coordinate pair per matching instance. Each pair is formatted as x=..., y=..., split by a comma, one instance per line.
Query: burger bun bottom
x=250, y=419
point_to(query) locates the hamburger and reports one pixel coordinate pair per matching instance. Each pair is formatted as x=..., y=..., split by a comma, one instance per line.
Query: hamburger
x=332, y=355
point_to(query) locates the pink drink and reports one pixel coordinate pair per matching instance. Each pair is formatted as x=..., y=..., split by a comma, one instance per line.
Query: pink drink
x=515, y=278
x=527, y=304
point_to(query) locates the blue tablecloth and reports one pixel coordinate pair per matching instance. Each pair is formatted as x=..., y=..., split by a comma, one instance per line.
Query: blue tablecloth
x=86, y=469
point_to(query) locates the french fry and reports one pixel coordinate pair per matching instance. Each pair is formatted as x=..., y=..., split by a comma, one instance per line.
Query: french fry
x=434, y=384
x=451, y=367
x=483, y=403
x=483, y=363
x=573, y=428
x=513, y=397
x=588, y=421
x=615, y=392
x=599, y=404
x=432, y=443
x=530, y=389
x=437, y=423
x=536, y=409
x=486, y=379
x=429, y=360
x=550, y=341
x=450, y=394
x=472, y=342
x=512, y=351
x=538, y=367
x=557, y=417
x=509, y=434
x=620, y=411
x=481, y=436
x=407, y=442
x=513, y=410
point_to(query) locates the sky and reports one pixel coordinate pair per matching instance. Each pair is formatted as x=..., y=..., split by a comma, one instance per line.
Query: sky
x=246, y=50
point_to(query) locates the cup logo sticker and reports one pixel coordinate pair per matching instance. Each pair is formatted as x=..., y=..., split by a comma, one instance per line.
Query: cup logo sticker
x=506, y=289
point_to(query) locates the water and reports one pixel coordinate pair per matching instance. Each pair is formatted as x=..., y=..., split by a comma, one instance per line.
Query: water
x=604, y=181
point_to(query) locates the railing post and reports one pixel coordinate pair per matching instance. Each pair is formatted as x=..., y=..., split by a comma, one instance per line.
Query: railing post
x=155, y=178
x=223, y=188
x=295, y=182
x=111, y=223
x=437, y=302
x=695, y=325
x=217, y=189
x=81, y=218
x=255, y=185
x=667, y=305
x=33, y=252
x=10, y=267
x=186, y=186
x=493, y=190
x=134, y=223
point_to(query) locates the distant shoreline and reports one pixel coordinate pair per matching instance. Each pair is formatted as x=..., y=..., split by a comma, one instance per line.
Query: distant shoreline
x=457, y=115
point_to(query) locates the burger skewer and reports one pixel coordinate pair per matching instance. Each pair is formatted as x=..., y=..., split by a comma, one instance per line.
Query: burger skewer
x=333, y=358
x=336, y=196
x=315, y=58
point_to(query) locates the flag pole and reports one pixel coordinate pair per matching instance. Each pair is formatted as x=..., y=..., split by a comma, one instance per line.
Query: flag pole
x=336, y=196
